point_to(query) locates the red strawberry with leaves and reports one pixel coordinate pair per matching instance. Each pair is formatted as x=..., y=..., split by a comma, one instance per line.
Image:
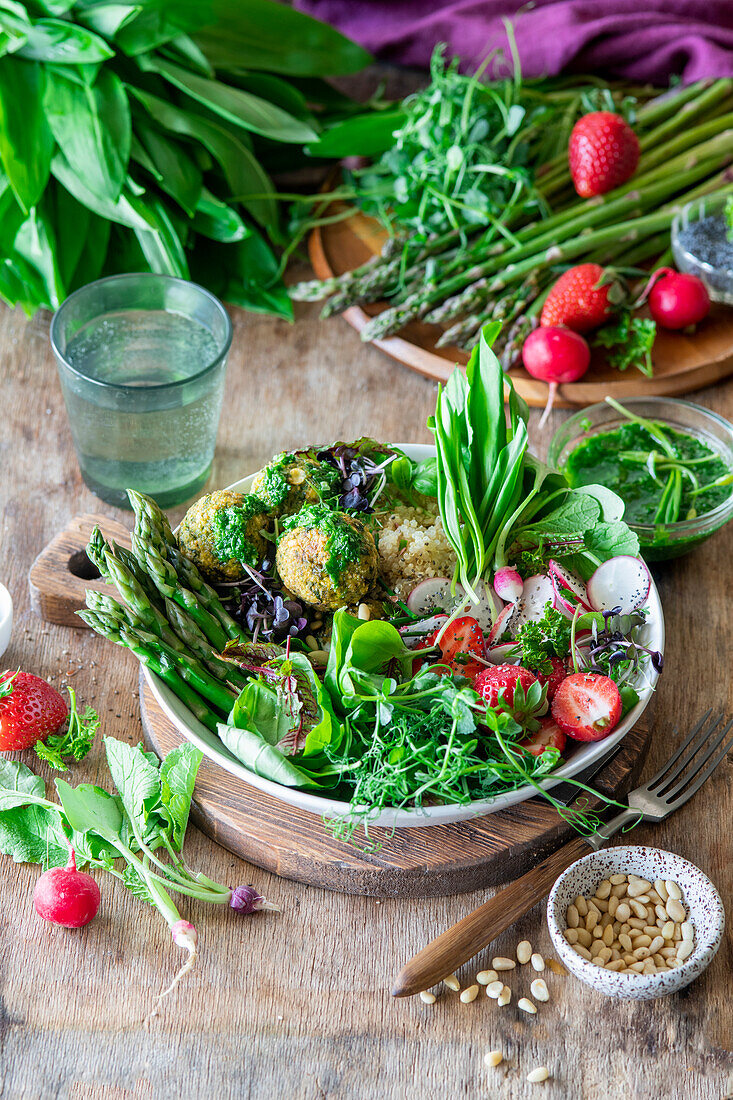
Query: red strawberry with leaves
x=30, y=710
x=582, y=298
x=515, y=690
x=603, y=153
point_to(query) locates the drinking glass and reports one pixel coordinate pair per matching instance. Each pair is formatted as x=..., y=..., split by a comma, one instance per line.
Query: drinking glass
x=141, y=360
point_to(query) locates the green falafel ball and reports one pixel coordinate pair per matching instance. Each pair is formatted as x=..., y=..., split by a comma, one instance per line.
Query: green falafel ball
x=327, y=559
x=222, y=532
x=290, y=481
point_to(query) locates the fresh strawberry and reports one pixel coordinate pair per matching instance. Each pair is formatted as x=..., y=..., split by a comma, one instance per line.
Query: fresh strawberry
x=553, y=679
x=578, y=301
x=587, y=706
x=30, y=710
x=603, y=153
x=549, y=735
x=463, y=637
x=498, y=685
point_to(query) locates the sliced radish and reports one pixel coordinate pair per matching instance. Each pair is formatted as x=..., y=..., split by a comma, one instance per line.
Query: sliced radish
x=486, y=611
x=567, y=586
x=413, y=633
x=431, y=594
x=508, y=584
x=505, y=653
x=622, y=582
x=537, y=592
x=502, y=622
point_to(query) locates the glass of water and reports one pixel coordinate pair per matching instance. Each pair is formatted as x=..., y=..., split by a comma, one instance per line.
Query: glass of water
x=141, y=360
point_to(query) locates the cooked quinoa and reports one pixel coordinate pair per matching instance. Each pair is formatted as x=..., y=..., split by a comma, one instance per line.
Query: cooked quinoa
x=412, y=547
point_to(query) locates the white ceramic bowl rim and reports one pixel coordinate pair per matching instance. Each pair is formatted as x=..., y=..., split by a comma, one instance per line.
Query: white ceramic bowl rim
x=210, y=745
x=703, y=943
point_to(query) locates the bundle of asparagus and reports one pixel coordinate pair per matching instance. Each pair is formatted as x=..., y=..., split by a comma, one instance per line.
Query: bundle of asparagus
x=468, y=278
x=171, y=619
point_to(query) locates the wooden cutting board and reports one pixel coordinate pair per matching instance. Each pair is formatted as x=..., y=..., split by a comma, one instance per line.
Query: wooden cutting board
x=681, y=363
x=418, y=862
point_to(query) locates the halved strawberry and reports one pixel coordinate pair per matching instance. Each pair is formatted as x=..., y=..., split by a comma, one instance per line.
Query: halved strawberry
x=553, y=679
x=463, y=637
x=549, y=735
x=587, y=706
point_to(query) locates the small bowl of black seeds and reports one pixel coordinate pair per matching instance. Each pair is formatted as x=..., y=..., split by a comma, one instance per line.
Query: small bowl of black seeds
x=702, y=243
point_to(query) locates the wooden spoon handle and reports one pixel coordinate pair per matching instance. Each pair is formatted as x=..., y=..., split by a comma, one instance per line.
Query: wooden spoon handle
x=464, y=940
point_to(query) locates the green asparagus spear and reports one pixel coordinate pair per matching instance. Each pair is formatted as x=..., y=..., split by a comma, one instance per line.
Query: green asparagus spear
x=166, y=580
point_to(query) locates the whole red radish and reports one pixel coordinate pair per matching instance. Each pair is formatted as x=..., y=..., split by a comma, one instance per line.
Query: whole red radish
x=549, y=735
x=587, y=706
x=677, y=300
x=555, y=355
x=30, y=710
x=603, y=153
x=66, y=896
x=579, y=299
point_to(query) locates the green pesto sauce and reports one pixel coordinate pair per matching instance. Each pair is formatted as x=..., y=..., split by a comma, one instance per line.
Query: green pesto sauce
x=600, y=460
x=321, y=479
x=235, y=533
x=344, y=542
x=275, y=486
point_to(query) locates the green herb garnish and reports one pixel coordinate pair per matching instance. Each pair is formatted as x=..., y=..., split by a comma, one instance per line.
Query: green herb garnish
x=74, y=742
x=630, y=341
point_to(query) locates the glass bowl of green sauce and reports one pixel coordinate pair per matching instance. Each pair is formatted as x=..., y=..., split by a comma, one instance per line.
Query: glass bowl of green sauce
x=670, y=461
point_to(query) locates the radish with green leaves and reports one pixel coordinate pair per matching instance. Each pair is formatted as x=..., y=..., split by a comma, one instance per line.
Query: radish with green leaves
x=555, y=355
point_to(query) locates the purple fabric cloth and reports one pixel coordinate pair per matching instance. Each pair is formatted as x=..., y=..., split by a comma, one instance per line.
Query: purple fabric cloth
x=641, y=40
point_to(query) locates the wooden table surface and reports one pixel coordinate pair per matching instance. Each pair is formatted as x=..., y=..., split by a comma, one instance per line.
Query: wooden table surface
x=297, y=1005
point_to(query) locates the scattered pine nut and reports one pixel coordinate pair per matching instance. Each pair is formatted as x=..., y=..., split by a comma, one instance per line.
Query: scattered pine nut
x=427, y=997
x=526, y=1005
x=500, y=963
x=556, y=967
x=363, y=612
x=538, y=963
x=469, y=994
x=504, y=997
x=536, y=1076
x=485, y=977
x=539, y=991
x=493, y=1058
x=524, y=951
x=452, y=982
x=494, y=989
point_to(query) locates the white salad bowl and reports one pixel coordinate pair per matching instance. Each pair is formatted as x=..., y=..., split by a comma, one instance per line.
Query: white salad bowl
x=702, y=901
x=6, y=618
x=584, y=755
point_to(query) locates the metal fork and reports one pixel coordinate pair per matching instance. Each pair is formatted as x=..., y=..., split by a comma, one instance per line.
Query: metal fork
x=675, y=782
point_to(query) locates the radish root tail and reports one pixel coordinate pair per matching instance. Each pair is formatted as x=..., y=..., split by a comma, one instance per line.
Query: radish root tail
x=186, y=936
x=552, y=388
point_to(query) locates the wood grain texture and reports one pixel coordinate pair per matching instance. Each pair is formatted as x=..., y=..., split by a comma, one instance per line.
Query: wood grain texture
x=297, y=1005
x=424, y=862
x=682, y=363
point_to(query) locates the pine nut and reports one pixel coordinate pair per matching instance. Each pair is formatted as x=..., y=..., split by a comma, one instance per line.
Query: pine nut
x=656, y=943
x=582, y=951
x=596, y=948
x=493, y=989
x=638, y=886
x=452, y=982
x=619, y=890
x=584, y=937
x=639, y=909
x=581, y=905
x=592, y=919
x=536, y=1076
x=654, y=897
x=615, y=964
x=673, y=890
x=538, y=963
x=363, y=612
x=427, y=997
x=675, y=908
x=641, y=952
x=524, y=951
x=469, y=994
x=637, y=967
x=629, y=959
x=651, y=930
x=526, y=1005
x=637, y=922
x=500, y=963
x=659, y=960
x=601, y=904
x=685, y=949
x=603, y=890
x=604, y=955
x=625, y=928
x=594, y=906
x=668, y=952
x=615, y=954
x=642, y=941
x=688, y=932
x=672, y=963
x=571, y=935
x=623, y=912
x=597, y=932
x=649, y=967
x=556, y=967
x=677, y=935
x=661, y=889
x=572, y=916
x=617, y=879
x=484, y=977
x=606, y=920
x=625, y=941
x=539, y=991
x=608, y=936
x=504, y=997
x=493, y=1058
x=661, y=912
x=613, y=904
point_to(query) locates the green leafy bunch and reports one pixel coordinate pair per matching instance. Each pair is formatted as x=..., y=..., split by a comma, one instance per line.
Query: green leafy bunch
x=141, y=137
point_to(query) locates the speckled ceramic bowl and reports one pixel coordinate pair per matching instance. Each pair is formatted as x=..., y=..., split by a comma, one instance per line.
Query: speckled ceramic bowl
x=702, y=900
x=6, y=618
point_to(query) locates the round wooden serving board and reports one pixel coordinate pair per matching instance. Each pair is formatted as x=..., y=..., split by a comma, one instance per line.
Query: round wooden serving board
x=422, y=862
x=411, y=863
x=681, y=363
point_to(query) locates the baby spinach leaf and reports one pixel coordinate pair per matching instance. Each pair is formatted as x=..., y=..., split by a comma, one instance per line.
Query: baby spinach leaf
x=606, y=540
x=264, y=759
x=177, y=777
